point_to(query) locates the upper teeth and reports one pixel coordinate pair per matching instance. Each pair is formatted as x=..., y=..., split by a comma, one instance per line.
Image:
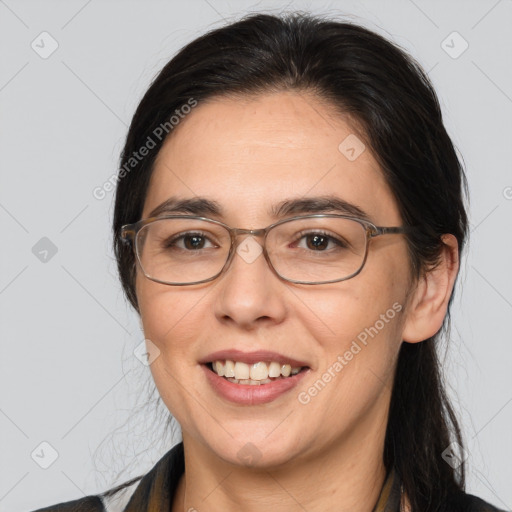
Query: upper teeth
x=256, y=371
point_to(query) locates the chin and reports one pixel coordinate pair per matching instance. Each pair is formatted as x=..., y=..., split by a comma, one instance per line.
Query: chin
x=256, y=451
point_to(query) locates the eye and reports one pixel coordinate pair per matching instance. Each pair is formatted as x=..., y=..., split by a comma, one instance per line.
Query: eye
x=320, y=242
x=188, y=241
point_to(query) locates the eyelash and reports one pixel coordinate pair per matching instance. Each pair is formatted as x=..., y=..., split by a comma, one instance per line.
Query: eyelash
x=299, y=236
x=332, y=238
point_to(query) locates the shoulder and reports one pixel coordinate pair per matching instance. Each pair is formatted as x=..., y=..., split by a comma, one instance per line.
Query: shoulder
x=165, y=473
x=114, y=500
x=470, y=503
x=87, y=504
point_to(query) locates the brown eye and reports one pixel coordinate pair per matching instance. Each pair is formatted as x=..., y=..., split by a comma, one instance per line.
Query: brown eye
x=319, y=242
x=188, y=241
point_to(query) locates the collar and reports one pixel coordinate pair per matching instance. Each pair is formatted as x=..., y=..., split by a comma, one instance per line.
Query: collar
x=155, y=491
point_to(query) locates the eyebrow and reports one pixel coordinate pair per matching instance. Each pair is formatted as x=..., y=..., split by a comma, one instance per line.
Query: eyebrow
x=204, y=207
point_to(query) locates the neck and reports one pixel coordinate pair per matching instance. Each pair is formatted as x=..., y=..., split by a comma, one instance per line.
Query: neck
x=345, y=476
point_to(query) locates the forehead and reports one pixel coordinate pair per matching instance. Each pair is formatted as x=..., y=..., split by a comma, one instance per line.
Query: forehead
x=249, y=153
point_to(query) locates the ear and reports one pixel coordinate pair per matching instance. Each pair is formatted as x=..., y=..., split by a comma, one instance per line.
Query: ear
x=429, y=301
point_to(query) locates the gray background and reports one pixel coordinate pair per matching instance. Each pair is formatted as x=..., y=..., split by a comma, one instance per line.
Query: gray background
x=68, y=374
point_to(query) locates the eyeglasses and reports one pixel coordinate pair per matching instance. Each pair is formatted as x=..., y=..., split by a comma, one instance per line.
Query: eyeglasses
x=312, y=249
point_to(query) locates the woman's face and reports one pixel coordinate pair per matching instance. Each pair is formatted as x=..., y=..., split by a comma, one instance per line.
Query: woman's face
x=248, y=156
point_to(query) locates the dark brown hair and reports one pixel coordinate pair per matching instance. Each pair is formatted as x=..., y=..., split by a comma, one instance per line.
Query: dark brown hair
x=375, y=83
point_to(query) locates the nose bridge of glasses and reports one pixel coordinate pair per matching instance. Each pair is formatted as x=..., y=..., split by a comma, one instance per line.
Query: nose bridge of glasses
x=254, y=232
x=247, y=253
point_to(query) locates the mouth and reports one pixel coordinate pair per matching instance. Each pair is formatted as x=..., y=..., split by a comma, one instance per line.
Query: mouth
x=252, y=378
x=254, y=374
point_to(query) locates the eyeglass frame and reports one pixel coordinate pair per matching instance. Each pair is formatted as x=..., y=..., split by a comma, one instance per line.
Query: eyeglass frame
x=128, y=235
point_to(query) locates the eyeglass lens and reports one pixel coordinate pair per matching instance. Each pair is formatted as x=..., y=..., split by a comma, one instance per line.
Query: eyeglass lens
x=307, y=250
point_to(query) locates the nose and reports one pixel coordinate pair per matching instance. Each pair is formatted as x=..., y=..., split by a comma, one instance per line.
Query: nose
x=249, y=294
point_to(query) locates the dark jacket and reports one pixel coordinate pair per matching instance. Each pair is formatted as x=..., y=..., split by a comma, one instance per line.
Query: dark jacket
x=155, y=492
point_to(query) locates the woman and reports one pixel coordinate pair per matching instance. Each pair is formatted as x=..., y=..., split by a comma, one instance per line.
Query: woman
x=288, y=224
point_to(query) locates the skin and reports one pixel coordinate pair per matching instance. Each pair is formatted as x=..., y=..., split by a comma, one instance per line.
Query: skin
x=247, y=154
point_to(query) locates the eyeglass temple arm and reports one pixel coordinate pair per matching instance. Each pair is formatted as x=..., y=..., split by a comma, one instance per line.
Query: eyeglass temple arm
x=127, y=234
x=392, y=230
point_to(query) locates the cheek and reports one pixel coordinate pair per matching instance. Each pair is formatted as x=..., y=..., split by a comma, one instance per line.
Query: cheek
x=171, y=320
x=358, y=323
x=341, y=313
x=360, y=346
x=169, y=316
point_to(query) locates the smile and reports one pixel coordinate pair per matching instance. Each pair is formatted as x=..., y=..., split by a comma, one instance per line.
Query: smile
x=254, y=374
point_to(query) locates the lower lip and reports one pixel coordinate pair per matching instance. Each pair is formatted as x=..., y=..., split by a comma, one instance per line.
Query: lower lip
x=246, y=394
